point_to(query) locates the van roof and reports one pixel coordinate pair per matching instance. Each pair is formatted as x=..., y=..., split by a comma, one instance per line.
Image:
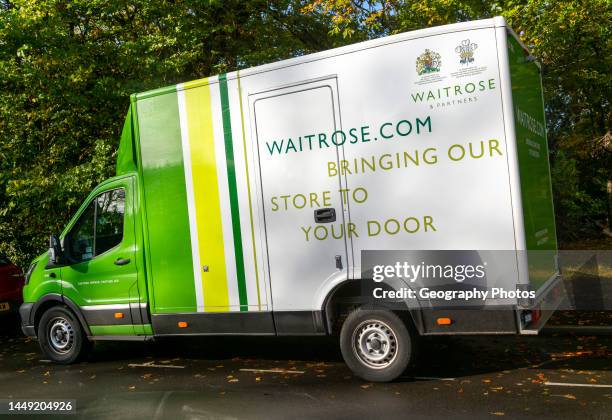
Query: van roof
x=497, y=21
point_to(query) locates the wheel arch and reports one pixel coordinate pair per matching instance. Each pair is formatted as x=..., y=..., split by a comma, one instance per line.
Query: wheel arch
x=55, y=299
x=347, y=295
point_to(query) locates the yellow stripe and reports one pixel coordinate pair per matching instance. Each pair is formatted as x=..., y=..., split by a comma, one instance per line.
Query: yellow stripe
x=246, y=167
x=206, y=195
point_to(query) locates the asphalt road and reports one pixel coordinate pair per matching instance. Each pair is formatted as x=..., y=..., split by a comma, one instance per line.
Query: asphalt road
x=231, y=377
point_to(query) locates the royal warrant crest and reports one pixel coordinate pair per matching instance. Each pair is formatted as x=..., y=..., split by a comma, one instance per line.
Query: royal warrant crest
x=428, y=62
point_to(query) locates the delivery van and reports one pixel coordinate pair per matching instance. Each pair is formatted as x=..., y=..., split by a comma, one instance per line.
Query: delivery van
x=243, y=202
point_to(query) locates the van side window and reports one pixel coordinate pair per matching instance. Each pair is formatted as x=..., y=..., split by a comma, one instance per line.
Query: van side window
x=110, y=208
x=81, y=237
x=99, y=228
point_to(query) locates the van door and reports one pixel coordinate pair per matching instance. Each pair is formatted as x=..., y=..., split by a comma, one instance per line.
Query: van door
x=303, y=210
x=100, y=248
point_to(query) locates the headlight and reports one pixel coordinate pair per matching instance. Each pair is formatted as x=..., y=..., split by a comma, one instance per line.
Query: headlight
x=29, y=272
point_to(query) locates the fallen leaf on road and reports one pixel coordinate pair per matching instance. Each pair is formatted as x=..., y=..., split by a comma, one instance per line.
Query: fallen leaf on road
x=498, y=413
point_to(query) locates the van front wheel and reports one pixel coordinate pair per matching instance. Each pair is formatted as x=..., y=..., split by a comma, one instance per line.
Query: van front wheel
x=376, y=344
x=61, y=337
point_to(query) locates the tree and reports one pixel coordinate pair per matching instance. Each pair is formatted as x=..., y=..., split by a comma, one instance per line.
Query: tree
x=67, y=68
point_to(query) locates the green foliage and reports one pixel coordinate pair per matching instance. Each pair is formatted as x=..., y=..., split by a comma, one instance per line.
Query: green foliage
x=67, y=69
x=580, y=209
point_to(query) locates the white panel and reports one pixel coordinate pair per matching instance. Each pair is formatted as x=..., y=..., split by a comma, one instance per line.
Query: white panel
x=469, y=201
x=298, y=262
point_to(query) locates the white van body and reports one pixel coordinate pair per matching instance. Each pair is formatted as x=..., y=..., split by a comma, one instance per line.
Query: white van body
x=332, y=129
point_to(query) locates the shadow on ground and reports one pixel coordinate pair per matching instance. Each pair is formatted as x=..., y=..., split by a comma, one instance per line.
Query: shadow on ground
x=437, y=357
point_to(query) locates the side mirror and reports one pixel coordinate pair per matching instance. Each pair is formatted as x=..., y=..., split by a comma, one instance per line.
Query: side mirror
x=55, y=250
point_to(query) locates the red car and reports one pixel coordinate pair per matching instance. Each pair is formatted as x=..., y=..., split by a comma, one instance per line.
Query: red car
x=11, y=284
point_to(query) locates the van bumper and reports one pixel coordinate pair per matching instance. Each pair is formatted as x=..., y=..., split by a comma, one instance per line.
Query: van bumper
x=25, y=312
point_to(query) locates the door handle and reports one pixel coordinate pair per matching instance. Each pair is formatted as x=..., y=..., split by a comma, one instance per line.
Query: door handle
x=122, y=261
x=326, y=215
x=338, y=262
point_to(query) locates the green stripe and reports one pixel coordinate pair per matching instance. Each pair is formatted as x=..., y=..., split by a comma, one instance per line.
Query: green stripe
x=233, y=193
x=127, y=329
x=246, y=170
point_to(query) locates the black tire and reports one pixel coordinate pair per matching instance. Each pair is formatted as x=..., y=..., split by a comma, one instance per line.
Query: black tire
x=61, y=336
x=376, y=344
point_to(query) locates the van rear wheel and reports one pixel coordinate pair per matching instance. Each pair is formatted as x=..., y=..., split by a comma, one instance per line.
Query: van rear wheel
x=376, y=344
x=61, y=337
